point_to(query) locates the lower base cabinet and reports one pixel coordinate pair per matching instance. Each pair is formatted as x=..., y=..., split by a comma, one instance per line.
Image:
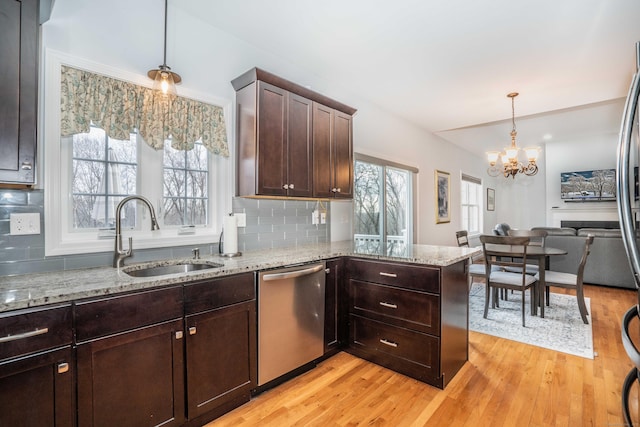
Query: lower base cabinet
x=38, y=390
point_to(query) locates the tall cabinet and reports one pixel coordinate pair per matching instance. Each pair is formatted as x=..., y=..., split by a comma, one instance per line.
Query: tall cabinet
x=292, y=142
x=18, y=90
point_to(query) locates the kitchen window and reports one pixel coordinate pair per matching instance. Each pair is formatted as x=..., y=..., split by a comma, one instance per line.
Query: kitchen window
x=383, y=204
x=87, y=173
x=471, y=204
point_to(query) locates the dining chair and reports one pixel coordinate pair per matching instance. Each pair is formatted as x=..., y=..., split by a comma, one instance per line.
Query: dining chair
x=504, y=252
x=571, y=281
x=536, y=238
x=474, y=270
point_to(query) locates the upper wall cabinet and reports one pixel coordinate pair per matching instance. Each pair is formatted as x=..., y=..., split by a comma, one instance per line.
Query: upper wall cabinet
x=292, y=142
x=18, y=90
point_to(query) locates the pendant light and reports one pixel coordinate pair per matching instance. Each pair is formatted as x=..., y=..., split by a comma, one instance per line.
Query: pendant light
x=164, y=80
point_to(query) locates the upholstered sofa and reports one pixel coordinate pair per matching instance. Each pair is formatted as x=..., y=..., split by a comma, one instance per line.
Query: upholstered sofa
x=607, y=263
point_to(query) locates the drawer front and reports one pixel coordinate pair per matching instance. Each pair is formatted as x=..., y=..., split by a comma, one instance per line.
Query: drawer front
x=398, y=343
x=105, y=316
x=31, y=330
x=420, y=278
x=216, y=293
x=415, y=310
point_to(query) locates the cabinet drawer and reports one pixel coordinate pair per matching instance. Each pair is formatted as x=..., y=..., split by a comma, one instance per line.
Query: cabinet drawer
x=105, y=316
x=402, y=275
x=401, y=307
x=34, y=329
x=211, y=294
x=398, y=343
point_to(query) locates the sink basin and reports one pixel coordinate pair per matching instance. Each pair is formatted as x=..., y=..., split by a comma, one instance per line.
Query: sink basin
x=180, y=267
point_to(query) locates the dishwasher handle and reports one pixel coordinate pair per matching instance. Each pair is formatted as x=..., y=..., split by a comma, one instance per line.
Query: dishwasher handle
x=293, y=274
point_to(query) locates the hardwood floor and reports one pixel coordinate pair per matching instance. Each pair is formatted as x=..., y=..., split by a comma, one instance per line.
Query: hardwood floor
x=505, y=383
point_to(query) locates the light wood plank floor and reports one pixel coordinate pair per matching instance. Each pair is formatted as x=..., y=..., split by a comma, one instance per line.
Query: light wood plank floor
x=504, y=384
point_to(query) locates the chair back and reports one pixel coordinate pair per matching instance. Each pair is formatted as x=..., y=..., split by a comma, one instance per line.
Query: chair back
x=462, y=237
x=583, y=261
x=505, y=251
x=536, y=237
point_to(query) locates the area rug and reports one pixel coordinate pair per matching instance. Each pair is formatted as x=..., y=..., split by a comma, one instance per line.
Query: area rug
x=561, y=329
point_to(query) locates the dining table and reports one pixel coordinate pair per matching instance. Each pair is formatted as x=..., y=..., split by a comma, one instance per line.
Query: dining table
x=542, y=254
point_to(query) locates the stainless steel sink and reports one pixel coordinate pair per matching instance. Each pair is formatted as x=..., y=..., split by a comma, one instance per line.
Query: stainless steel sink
x=180, y=267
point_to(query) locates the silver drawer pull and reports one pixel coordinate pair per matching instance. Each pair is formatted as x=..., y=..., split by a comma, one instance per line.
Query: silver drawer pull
x=192, y=330
x=382, y=273
x=24, y=335
x=389, y=343
x=179, y=335
x=63, y=367
x=386, y=304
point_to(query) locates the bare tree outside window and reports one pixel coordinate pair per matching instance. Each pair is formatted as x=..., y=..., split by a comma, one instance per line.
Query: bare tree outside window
x=104, y=171
x=382, y=206
x=186, y=176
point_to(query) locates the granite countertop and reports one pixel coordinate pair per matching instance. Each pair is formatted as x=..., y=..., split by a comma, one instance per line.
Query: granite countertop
x=32, y=290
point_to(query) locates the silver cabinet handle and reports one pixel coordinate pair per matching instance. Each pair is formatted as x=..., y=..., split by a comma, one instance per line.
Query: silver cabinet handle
x=338, y=190
x=389, y=343
x=179, y=335
x=24, y=335
x=63, y=367
x=192, y=330
x=27, y=165
x=291, y=187
x=333, y=190
x=286, y=186
x=386, y=304
x=382, y=273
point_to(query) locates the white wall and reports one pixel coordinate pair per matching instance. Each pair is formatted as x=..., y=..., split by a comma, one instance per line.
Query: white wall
x=128, y=35
x=590, y=152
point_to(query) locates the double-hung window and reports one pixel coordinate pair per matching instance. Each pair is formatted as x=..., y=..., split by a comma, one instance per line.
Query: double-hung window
x=383, y=204
x=91, y=165
x=471, y=204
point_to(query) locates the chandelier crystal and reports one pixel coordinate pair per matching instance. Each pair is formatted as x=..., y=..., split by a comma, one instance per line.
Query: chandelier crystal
x=511, y=166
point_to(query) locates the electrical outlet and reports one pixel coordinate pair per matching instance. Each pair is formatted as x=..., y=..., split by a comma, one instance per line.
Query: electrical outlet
x=241, y=219
x=323, y=217
x=24, y=223
x=315, y=217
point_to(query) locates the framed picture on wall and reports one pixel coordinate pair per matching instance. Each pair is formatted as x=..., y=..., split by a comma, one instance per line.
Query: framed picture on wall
x=491, y=199
x=443, y=210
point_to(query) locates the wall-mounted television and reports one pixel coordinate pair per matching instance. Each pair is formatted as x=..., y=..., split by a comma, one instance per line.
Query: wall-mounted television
x=594, y=185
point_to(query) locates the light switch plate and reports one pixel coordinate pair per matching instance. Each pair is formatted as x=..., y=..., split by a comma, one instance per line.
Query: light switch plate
x=24, y=223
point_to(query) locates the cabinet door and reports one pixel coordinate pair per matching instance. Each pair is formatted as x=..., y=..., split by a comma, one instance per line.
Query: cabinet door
x=133, y=379
x=322, y=151
x=332, y=313
x=299, y=154
x=272, y=143
x=38, y=390
x=343, y=156
x=221, y=358
x=18, y=90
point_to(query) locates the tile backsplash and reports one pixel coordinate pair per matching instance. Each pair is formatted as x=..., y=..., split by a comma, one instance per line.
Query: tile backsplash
x=270, y=224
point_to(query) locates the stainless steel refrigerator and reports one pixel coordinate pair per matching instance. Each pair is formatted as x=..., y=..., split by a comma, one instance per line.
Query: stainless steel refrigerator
x=629, y=216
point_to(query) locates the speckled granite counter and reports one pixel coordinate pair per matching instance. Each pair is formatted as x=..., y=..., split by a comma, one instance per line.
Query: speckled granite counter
x=38, y=289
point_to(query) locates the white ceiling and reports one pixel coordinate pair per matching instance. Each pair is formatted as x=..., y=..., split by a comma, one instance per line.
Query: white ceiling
x=447, y=65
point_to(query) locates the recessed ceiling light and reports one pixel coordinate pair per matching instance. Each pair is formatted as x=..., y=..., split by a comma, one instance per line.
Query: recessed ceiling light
x=547, y=137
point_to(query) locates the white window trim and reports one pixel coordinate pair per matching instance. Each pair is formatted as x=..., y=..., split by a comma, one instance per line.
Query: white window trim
x=478, y=181
x=59, y=239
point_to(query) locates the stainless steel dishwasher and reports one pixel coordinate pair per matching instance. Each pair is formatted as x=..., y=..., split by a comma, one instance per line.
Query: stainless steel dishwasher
x=290, y=319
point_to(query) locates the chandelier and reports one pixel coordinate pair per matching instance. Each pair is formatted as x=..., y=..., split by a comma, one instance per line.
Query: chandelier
x=511, y=166
x=164, y=80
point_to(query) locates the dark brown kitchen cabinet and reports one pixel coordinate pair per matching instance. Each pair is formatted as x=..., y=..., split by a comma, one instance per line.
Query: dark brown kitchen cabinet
x=37, y=367
x=409, y=318
x=220, y=323
x=19, y=32
x=275, y=134
x=334, y=322
x=332, y=153
x=130, y=359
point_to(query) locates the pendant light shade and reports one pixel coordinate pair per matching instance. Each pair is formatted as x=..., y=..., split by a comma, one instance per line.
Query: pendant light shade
x=164, y=80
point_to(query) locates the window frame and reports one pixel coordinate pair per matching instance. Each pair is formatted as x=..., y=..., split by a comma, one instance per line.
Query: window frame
x=412, y=222
x=480, y=202
x=56, y=171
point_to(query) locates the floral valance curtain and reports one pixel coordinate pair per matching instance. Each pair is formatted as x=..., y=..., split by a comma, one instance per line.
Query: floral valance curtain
x=119, y=107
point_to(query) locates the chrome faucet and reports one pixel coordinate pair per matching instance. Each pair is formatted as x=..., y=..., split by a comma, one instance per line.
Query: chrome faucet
x=119, y=254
